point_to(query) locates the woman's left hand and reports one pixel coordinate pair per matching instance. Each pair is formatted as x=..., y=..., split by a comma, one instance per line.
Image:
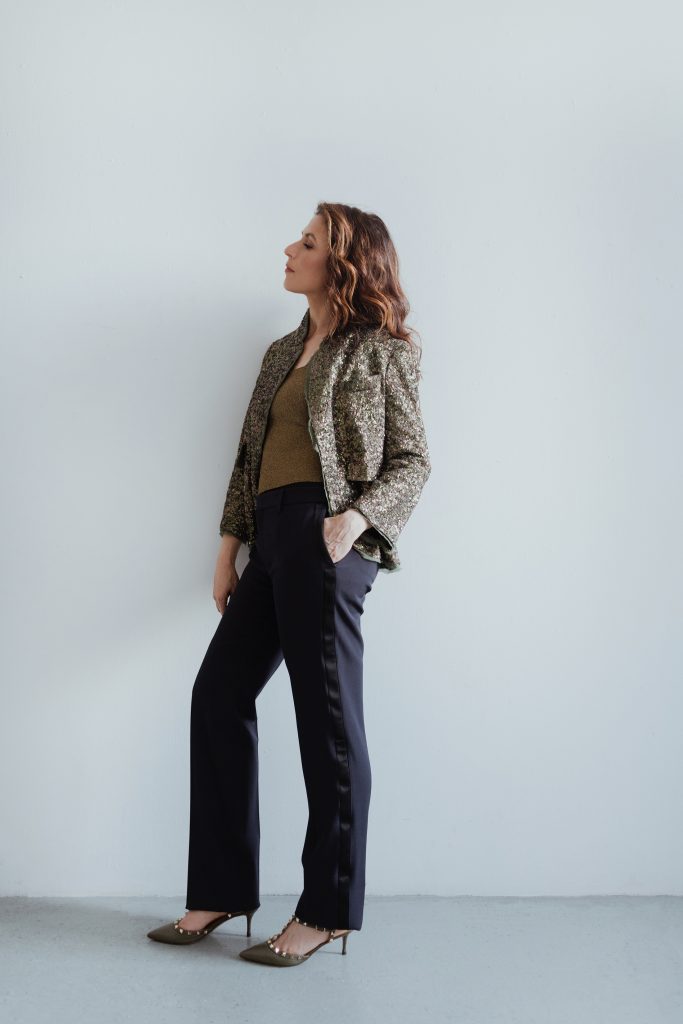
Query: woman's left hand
x=339, y=532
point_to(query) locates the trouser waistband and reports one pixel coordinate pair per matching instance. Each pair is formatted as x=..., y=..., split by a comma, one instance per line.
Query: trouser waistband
x=289, y=494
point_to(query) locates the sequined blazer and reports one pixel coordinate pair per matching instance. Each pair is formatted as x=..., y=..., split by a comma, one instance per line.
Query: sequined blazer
x=365, y=423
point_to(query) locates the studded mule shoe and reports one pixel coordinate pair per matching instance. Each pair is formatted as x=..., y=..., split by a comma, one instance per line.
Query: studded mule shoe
x=177, y=936
x=268, y=952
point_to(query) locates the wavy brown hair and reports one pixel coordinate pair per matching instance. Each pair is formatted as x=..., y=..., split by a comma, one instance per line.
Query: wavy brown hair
x=363, y=274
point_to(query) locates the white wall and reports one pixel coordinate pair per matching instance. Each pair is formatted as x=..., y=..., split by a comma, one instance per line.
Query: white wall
x=523, y=670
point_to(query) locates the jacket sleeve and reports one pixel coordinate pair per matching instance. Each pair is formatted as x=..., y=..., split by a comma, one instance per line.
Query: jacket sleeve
x=391, y=497
x=232, y=520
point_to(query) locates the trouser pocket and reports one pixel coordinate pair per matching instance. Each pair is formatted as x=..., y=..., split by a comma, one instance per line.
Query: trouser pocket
x=322, y=516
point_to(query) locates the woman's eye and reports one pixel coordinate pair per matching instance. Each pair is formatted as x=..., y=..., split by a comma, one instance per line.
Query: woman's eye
x=307, y=246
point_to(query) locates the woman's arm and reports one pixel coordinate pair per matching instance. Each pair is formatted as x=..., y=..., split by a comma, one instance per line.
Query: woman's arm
x=390, y=499
x=232, y=519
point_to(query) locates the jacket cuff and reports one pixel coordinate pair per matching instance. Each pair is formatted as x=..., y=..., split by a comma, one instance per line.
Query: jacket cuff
x=234, y=532
x=360, y=506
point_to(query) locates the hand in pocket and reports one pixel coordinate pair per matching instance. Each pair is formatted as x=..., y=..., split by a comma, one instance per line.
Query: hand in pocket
x=337, y=537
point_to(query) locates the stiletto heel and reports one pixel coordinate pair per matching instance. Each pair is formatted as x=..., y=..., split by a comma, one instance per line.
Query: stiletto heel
x=250, y=914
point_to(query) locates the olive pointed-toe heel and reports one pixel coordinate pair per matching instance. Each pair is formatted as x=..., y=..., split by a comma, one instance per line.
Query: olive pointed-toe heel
x=177, y=936
x=268, y=952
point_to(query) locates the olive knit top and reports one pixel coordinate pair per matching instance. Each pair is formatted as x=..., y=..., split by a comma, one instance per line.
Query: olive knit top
x=288, y=454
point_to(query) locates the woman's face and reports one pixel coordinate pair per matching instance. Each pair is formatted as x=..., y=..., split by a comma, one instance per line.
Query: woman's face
x=307, y=260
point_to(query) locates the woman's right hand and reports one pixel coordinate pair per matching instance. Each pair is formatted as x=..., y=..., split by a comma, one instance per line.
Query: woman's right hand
x=225, y=578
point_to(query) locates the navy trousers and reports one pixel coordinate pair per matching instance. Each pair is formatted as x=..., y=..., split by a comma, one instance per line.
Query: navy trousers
x=293, y=602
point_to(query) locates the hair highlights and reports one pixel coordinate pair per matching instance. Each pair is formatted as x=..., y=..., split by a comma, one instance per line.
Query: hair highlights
x=363, y=272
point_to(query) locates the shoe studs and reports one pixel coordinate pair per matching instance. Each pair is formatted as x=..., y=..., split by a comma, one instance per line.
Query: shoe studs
x=189, y=931
x=309, y=925
x=293, y=956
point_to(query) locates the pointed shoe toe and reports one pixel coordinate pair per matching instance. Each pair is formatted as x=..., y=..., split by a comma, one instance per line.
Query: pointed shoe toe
x=168, y=933
x=263, y=954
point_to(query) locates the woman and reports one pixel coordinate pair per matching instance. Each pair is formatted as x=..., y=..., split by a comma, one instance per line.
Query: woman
x=330, y=464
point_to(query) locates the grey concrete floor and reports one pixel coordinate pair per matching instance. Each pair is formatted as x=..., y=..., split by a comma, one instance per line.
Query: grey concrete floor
x=610, y=960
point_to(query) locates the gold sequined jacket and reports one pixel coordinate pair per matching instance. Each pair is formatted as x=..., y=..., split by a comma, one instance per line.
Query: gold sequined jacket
x=365, y=423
